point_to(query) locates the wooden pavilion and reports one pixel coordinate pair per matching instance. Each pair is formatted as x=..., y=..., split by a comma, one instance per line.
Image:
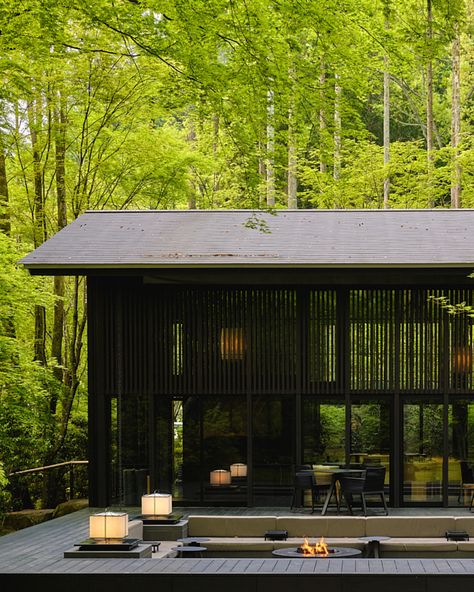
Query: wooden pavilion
x=271, y=340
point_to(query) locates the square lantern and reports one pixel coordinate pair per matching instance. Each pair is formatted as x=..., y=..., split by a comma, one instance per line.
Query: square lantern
x=232, y=343
x=220, y=477
x=461, y=361
x=157, y=504
x=238, y=470
x=108, y=526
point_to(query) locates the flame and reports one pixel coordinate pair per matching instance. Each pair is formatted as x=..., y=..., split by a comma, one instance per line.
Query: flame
x=319, y=548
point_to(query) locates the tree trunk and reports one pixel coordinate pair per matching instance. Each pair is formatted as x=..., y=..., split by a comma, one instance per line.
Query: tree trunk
x=456, y=119
x=215, y=147
x=40, y=335
x=386, y=117
x=262, y=171
x=39, y=226
x=60, y=142
x=39, y=222
x=59, y=281
x=192, y=194
x=292, y=180
x=5, y=225
x=337, y=129
x=429, y=102
x=322, y=120
x=270, y=161
x=8, y=326
x=292, y=165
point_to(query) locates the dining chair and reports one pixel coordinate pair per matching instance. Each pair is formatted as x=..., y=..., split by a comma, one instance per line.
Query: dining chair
x=374, y=484
x=467, y=480
x=350, y=487
x=304, y=481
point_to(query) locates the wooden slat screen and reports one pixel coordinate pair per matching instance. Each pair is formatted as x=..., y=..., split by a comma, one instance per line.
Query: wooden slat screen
x=372, y=340
x=321, y=365
x=421, y=341
x=461, y=341
x=182, y=341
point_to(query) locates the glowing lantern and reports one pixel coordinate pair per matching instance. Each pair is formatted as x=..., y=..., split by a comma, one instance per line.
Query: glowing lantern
x=157, y=504
x=220, y=477
x=108, y=526
x=238, y=470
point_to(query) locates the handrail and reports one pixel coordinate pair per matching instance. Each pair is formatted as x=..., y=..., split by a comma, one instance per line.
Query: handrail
x=39, y=469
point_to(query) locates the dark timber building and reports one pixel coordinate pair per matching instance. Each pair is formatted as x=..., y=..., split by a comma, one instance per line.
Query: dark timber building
x=310, y=336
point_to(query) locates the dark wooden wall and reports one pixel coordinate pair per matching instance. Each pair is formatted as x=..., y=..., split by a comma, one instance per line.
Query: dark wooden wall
x=148, y=339
x=202, y=340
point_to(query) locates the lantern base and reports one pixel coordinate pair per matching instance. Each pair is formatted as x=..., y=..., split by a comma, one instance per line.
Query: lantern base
x=170, y=519
x=107, y=545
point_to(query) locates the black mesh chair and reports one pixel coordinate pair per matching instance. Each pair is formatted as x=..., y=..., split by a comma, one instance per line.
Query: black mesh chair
x=372, y=484
x=467, y=480
x=306, y=481
x=350, y=487
x=375, y=484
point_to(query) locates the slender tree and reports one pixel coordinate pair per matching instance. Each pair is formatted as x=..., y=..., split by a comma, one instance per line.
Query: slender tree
x=429, y=99
x=5, y=223
x=337, y=128
x=292, y=180
x=270, y=161
x=386, y=112
x=322, y=118
x=60, y=123
x=456, y=117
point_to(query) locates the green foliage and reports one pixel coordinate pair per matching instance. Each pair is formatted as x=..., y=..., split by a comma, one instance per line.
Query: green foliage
x=24, y=384
x=166, y=105
x=456, y=308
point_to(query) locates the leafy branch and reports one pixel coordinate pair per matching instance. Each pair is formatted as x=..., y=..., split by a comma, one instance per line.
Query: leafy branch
x=454, y=309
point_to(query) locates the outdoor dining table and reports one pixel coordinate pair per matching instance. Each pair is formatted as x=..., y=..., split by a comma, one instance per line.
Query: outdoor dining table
x=336, y=474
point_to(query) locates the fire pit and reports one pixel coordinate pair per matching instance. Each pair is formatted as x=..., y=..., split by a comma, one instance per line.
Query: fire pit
x=317, y=551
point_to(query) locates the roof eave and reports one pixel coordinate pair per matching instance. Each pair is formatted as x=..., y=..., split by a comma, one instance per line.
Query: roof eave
x=249, y=265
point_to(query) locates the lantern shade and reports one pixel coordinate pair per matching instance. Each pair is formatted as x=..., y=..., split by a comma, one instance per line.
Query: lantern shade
x=461, y=359
x=238, y=470
x=108, y=525
x=220, y=477
x=157, y=504
x=232, y=343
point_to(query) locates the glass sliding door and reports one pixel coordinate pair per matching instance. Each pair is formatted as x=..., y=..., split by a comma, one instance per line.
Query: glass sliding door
x=323, y=431
x=371, y=440
x=422, y=452
x=273, y=447
x=214, y=436
x=130, y=448
x=461, y=451
x=224, y=429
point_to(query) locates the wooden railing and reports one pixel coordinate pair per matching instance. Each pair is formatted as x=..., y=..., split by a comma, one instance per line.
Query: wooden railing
x=71, y=464
x=39, y=469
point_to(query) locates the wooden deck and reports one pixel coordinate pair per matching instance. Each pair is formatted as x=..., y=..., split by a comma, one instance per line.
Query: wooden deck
x=35, y=555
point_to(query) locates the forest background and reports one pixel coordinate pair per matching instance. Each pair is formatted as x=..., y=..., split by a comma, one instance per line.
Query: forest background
x=148, y=104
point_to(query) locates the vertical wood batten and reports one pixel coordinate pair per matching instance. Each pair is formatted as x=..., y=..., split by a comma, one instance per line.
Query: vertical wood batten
x=290, y=339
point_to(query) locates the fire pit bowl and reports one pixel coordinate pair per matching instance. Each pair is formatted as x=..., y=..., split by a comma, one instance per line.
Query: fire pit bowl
x=334, y=553
x=317, y=551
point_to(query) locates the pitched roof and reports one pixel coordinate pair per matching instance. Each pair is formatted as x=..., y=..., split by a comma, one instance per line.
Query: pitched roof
x=243, y=238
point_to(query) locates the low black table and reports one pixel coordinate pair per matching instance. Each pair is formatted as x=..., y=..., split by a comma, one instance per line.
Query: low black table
x=190, y=540
x=338, y=553
x=373, y=544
